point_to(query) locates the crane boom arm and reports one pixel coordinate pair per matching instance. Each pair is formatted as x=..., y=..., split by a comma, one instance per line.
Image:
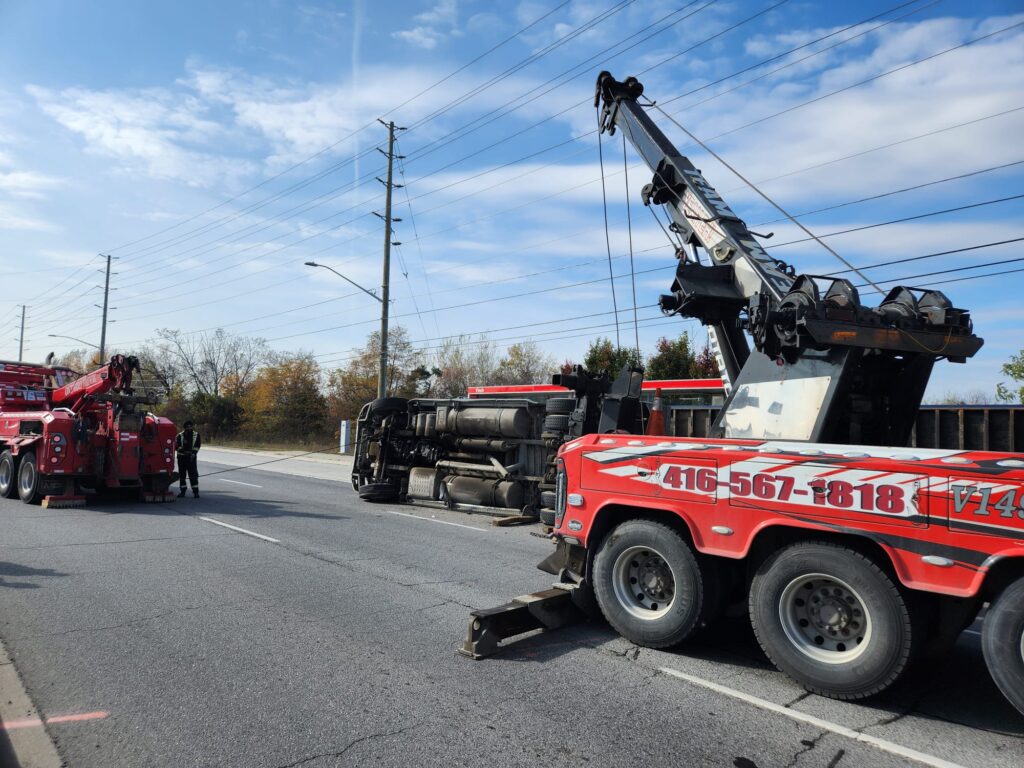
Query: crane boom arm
x=823, y=366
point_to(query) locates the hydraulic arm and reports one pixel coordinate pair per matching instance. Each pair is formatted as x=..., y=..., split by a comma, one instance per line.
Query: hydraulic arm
x=823, y=366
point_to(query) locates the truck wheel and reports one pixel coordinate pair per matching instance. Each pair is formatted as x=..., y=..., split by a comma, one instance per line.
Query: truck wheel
x=564, y=405
x=28, y=479
x=556, y=423
x=386, y=405
x=1002, y=642
x=832, y=620
x=649, y=584
x=8, y=475
x=378, y=492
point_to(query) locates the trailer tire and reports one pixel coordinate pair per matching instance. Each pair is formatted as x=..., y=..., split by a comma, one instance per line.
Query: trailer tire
x=1002, y=642
x=28, y=479
x=562, y=405
x=547, y=516
x=832, y=620
x=556, y=423
x=8, y=475
x=547, y=499
x=378, y=492
x=649, y=584
x=382, y=406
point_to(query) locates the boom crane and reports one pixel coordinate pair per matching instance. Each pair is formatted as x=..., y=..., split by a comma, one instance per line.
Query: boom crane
x=823, y=366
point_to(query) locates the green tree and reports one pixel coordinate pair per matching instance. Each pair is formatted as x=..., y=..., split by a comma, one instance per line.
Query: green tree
x=602, y=355
x=672, y=359
x=1015, y=370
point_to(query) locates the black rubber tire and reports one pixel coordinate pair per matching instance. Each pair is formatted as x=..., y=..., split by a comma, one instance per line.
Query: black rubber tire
x=891, y=636
x=28, y=479
x=564, y=405
x=8, y=468
x=385, y=405
x=686, y=609
x=547, y=516
x=378, y=492
x=1002, y=642
x=547, y=499
x=556, y=423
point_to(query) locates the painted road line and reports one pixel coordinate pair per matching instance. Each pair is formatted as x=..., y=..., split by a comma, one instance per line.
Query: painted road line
x=240, y=530
x=883, y=744
x=29, y=722
x=432, y=520
x=238, y=482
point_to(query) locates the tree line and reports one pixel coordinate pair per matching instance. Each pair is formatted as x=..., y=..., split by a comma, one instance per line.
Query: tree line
x=236, y=388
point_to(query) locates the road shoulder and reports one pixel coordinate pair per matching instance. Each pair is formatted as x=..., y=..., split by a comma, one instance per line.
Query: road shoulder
x=25, y=743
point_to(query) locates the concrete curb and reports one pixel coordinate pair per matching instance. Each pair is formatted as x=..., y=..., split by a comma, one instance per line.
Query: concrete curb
x=29, y=747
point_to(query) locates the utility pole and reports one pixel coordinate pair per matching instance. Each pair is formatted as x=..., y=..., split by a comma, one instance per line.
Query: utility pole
x=386, y=281
x=21, y=338
x=103, y=326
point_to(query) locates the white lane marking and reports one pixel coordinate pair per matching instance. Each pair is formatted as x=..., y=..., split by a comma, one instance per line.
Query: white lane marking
x=238, y=482
x=882, y=744
x=433, y=520
x=240, y=530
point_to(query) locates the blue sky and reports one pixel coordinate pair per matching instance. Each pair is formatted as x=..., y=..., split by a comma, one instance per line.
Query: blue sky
x=168, y=135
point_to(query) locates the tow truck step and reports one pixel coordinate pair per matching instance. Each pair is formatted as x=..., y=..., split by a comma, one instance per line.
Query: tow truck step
x=550, y=609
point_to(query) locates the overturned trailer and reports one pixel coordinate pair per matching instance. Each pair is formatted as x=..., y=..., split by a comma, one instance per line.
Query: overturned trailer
x=494, y=455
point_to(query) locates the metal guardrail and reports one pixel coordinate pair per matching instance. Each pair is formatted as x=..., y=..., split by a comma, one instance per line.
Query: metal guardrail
x=954, y=427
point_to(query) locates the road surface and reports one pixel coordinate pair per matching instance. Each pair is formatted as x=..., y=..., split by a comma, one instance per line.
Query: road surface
x=279, y=622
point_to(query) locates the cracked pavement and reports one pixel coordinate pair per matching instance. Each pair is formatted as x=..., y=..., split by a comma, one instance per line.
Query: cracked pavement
x=337, y=646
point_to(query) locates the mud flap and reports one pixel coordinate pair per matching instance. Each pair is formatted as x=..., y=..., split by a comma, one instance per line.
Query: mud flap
x=550, y=609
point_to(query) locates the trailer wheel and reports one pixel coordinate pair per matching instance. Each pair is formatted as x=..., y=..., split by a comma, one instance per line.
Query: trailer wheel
x=8, y=475
x=832, y=620
x=1002, y=641
x=649, y=584
x=28, y=479
x=378, y=492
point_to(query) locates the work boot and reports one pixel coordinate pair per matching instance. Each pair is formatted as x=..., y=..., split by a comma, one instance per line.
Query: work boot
x=195, y=493
x=181, y=493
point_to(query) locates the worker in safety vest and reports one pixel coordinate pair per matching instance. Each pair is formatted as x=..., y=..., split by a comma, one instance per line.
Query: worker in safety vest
x=187, y=447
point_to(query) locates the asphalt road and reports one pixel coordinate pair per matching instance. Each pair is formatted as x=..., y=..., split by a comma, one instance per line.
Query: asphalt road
x=150, y=636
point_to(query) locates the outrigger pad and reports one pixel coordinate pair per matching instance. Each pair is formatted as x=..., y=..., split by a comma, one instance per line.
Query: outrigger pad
x=63, y=502
x=550, y=609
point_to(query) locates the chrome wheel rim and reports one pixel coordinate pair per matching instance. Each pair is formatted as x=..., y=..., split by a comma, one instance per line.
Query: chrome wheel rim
x=825, y=618
x=643, y=583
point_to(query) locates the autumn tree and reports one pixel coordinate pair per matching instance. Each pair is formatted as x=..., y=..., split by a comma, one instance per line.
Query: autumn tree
x=604, y=356
x=678, y=360
x=350, y=387
x=461, y=363
x=284, y=401
x=524, y=363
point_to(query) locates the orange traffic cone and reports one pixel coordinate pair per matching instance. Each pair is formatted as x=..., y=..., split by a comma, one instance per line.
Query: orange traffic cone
x=656, y=421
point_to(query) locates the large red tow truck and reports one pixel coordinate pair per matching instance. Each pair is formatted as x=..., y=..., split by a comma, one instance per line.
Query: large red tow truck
x=65, y=435
x=853, y=555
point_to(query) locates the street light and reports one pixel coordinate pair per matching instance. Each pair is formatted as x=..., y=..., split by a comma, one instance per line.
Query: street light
x=383, y=372
x=59, y=336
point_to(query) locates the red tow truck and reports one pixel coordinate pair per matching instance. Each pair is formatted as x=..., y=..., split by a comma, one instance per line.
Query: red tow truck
x=853, y=555
x=65, y=435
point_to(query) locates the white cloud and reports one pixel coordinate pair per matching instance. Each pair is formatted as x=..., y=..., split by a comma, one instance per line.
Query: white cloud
x=434, y=26
x=27, y=184
x=153, y=131
x=14, y=219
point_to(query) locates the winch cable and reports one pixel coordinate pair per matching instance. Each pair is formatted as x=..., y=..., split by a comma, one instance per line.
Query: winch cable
x=271, y=461
x=767, y=199
x=607, y=236
x=629, y=230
